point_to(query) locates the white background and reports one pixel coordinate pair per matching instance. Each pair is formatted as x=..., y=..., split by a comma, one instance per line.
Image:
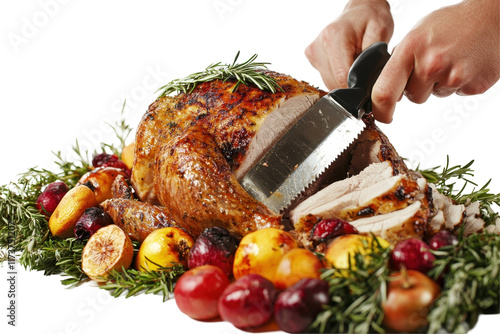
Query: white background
x=67, y=66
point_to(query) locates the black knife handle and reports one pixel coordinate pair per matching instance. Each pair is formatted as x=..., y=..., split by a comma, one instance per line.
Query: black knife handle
x=361, y=78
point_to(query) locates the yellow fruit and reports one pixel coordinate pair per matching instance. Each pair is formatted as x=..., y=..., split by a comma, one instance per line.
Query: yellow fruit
x=101, y=179
x=295, y=265
x=68, y=211
x=128, y=155
x=259, y=252
x=107, y=249
x=164, y=247
x=344, y=247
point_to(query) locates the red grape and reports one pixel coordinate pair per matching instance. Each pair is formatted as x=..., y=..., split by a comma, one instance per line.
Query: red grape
x=413, y=254
x=48, y=200
x=297, y=306
x=441, y=239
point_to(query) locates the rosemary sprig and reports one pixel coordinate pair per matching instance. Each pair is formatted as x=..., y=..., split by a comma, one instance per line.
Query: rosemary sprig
x=60, y=256
x=132, y=282
x=471, y=272
x=247, y=73
x=449, y=178
x=356, y=294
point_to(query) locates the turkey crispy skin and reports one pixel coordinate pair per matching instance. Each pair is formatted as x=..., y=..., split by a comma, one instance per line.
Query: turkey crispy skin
x=137, y=219
x=191, y=150
x=202, y=191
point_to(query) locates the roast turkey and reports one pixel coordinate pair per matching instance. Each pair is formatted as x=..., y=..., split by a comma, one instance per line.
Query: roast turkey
x=192, y=149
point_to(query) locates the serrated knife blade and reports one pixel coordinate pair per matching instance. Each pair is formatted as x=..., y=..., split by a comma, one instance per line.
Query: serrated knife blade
x=302, y=154
x=313, y=143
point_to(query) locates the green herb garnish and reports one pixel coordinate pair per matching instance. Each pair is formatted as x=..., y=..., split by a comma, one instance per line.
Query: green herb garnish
x=132, y=282
x=471, y=274
x=356, y=293
x=455, y=182
x=247, y=73
x=24, y=232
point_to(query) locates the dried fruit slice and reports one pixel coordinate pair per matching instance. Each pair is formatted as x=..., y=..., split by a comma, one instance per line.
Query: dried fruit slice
x=107, y=249
x=71, y=207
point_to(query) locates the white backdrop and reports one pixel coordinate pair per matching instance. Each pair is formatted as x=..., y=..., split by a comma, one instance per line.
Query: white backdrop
x=67, y=66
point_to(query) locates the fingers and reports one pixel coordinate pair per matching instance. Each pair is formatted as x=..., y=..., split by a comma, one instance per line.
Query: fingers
x=332, y=54
x=391, y=84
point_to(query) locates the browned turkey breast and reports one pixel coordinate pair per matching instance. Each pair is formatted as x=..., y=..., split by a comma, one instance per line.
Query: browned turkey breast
x=191, y=150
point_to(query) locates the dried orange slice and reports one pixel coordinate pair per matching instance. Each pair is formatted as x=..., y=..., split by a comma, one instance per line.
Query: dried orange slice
x=63, y=220
x=108, y=249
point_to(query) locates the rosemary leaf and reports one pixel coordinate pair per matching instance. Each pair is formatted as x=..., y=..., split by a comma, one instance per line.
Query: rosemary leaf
x=133, y=282
x=472, y=283
x=450, y=177
x=355, y=305
x=248, y=72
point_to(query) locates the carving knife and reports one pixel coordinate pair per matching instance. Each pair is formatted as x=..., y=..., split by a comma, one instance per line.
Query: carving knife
x=305, y=151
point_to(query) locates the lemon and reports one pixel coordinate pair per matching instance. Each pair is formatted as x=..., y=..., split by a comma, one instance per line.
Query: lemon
x=63, y=220
x=107, y=249
x=342, y=249
x=164, y=247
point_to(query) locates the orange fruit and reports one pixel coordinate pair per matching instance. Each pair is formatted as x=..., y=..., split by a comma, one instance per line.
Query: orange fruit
x=127, y=155
x=259, y=252
x=68, y=211
x=342, y=249
x=295, y=265
x=107, y=249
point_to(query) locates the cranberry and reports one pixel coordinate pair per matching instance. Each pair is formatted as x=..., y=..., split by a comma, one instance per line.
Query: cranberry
x=297, y=306
x=441, y=239
x=103, y=158
x=48, y=200
x=92, y=219
x=109, y=160
x=331, y=228
x=248, y=302
x=413, y=254
x=214, y=246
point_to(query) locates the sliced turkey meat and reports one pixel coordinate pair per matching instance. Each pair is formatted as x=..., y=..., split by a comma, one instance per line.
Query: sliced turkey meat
x=374, y=191
x=397, y=225
x=473, y=222
x=447, y=214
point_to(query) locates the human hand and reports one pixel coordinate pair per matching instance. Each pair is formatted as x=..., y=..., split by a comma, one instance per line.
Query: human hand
x=453, y=49
x=362, y=23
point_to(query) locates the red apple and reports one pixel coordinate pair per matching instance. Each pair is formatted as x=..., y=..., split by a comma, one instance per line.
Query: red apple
x=197, y=291
x=409, y=296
